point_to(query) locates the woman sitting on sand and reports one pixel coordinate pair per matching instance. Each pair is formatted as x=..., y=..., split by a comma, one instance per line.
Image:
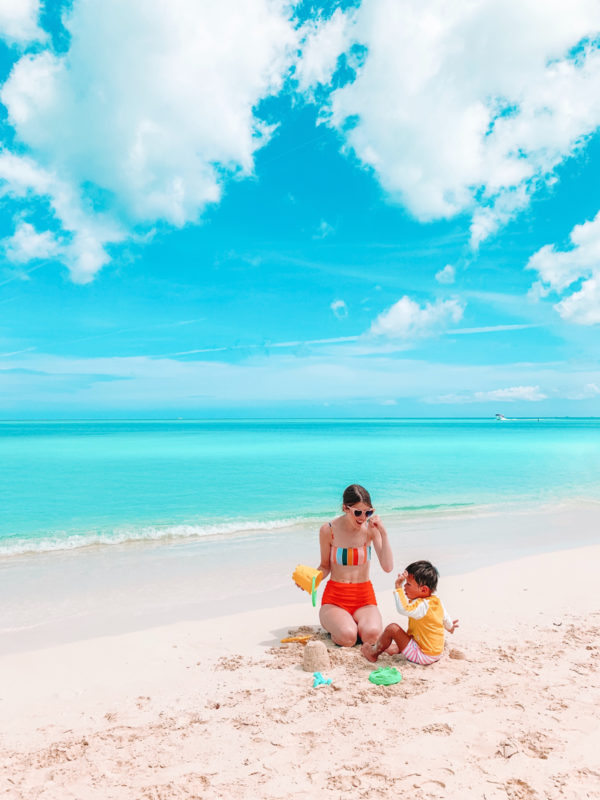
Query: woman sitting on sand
x=349, y=608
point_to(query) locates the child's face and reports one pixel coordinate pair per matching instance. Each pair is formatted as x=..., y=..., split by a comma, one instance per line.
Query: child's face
x=412, y=589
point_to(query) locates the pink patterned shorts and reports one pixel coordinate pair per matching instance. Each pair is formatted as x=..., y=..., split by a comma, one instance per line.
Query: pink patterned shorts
x=413, y=653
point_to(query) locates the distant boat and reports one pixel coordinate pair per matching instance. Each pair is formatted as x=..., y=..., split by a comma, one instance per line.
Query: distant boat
x=500, y=418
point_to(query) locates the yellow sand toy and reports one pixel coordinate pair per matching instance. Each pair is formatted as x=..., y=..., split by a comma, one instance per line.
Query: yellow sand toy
x=308, y=578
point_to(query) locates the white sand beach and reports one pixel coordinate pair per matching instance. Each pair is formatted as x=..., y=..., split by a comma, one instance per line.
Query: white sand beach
x=219, y=708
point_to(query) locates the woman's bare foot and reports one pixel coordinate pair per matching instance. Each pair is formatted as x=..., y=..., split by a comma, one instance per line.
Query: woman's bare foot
x=367, y=651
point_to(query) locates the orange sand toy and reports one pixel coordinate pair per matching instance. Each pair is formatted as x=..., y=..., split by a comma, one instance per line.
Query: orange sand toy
x=302, y=639
x=308, y=578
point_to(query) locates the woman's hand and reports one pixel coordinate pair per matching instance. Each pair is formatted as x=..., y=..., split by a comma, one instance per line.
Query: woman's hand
x=381, y=542
x=375, y=522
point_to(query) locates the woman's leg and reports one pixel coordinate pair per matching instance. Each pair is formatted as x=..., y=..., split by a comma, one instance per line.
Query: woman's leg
x=393, y=633
x=369, y=623
x=340, y=624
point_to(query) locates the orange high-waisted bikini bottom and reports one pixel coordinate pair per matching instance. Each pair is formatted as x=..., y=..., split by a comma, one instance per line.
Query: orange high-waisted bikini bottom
x=349, y=596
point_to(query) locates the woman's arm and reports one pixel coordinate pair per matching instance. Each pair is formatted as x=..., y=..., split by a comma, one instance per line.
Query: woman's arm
x=325, y=543
x=381, y=543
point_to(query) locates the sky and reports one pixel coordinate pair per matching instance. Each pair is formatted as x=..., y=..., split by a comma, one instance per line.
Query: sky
x=258, y=208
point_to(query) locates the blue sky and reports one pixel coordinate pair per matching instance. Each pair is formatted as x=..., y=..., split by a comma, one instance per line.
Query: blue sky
x=261, y=208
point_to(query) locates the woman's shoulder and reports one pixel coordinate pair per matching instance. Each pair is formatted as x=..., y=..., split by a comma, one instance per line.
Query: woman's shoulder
x=328, y=527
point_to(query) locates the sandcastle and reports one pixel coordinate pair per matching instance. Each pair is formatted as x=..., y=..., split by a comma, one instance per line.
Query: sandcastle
x=316, y=657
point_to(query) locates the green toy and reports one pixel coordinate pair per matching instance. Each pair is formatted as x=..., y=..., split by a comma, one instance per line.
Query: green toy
x=386, y=676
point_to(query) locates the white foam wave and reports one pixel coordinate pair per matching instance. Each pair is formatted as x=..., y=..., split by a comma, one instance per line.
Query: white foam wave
x=63, y=540
x=67, y=540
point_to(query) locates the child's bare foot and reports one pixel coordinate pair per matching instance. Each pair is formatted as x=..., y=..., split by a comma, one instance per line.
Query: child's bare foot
x=367, y=651
x=393, y=649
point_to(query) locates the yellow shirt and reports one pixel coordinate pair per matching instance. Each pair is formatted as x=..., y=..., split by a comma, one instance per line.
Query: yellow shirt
x=427, y=619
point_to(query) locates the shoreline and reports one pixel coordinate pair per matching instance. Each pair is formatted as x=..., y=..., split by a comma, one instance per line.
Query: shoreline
x=219, y=708
x=62, y=596
x=232, y=530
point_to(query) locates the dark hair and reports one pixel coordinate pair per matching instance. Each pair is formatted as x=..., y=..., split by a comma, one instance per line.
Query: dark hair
x=424, y=573
x=356, y=494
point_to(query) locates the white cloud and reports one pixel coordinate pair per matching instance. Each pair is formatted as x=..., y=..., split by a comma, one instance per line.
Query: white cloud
x=19, y=21
x=345, y=346
x=530, y=394
x=456, y=106
x=590, y=390
x=582, y=307
x=84, y=235
x=323, y=41
x=406, y=319
x=153, y=106
x=45, y=381
x=26, y=244
x=520, y=326
x=324, y=229
x=446, y=275
x=560, y=269
x=465, y=106
x=339, y=308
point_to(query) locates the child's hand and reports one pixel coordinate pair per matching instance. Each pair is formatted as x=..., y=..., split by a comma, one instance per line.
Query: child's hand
x=400, y=579
x=454, y=626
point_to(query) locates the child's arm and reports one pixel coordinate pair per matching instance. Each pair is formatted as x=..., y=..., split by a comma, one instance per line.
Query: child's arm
x=400, y=579
x=450, y=624
x=415, y=609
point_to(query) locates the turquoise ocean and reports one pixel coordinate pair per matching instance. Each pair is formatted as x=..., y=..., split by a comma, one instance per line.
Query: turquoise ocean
x=65, y=485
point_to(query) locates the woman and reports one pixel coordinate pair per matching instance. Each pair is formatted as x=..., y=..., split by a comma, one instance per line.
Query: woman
x=349, y=608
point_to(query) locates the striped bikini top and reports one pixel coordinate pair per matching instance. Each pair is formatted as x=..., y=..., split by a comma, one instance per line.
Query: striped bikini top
x=349, y=556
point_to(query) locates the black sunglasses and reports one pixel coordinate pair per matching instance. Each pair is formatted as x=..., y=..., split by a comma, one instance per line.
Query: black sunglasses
x=359, y=512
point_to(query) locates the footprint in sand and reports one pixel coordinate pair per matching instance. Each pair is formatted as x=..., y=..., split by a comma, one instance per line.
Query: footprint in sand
x=230, y=663
x=433, y=789
x=61, y=753
x=535, y=744
x=517, y=789
x=586, y=780
x=343, y=783
x=438, y=727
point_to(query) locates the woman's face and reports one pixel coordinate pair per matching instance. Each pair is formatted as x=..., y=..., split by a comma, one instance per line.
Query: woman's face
x=357, y=519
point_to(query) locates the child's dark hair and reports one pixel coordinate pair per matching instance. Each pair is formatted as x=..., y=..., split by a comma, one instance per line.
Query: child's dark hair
x=356, y=494
x=424, y=573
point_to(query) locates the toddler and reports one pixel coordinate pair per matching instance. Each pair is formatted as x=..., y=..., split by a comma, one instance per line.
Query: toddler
x=423, y=643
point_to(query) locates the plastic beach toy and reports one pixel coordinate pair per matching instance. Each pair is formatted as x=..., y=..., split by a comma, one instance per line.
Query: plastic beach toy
x=302, y=639
x=385, y=676
x=308, y=578
x=319, y=680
